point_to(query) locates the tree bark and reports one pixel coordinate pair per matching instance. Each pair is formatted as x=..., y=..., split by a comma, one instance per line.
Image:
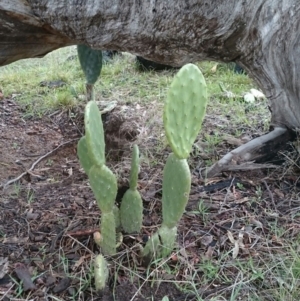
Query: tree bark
x=262, y=36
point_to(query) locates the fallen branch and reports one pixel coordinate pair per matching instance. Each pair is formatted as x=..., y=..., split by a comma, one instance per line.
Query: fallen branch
x=85, y=232
x=34, y=164
x=257, y=150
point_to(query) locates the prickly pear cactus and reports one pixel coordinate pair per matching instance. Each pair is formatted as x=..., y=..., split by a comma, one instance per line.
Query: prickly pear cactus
x=90, y=61
x=135, y=166
x=91, y=64
x=175, y=190
x=94, y=133
x=108, y=233
x=160, y=245
x=184, y=109
x=131, y=210
x=84, y=156
x=104, y=185
x=91, y=153
x=100, y=272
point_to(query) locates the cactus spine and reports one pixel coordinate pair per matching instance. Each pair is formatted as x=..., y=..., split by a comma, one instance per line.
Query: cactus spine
x=184, y=111
x=91, y=64
x=131, y=210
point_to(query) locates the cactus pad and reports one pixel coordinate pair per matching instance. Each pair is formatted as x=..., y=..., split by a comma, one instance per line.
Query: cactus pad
x=100, y=272
x=83, y=155
x=176, y=190
x=167, y=237
x=108, y=234
x=134, y=168
x=104, y=185
x=90, y=61
x=131, y=211
x=116, y=212
x=160, y=244
x=94, y=133
x=184, y=109
x=151, y=250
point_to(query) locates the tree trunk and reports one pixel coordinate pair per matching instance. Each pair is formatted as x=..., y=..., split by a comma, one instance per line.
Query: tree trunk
x=262, y=36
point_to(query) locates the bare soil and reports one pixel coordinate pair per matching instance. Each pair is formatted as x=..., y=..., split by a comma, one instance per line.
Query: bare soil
x=48, y=216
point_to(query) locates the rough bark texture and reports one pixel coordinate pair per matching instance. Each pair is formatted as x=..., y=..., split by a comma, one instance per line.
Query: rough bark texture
x=23, y=35
x=262, y=36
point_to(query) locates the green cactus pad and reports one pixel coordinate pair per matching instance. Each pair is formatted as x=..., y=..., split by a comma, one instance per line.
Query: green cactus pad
x=176, y=190
x=151, y=249
x=116, y=212
x=131, y=211
x=184, y=109
x=168, y=237
x=100, y=272
x=104, y=185
x=94, y=133
x=83, y=155
x=108, y=233
x=160, y=244
x=90, y=61
x=134, y=168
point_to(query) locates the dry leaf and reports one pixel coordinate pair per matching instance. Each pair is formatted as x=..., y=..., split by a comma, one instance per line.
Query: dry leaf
x=23, y=274
x=15, y=240
x=3, y=266
x=232, y=140
x=241, y=201
x=279, y=193
x=206, y=240
x=257, y=94
x=209, y=252
x=230, y=236
x=255, y=222
x=214, y=68
x=78, y=263
x=235, y=250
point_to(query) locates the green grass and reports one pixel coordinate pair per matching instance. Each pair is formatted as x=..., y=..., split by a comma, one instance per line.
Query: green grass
x=119, y=81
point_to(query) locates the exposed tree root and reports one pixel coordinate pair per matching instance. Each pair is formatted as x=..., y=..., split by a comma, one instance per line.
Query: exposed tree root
x=257, y=150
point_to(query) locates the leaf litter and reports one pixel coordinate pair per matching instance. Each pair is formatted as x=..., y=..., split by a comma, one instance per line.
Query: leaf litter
x=51, y=215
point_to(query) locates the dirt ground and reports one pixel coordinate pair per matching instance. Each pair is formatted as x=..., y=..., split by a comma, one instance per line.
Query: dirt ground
x=48, y=216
